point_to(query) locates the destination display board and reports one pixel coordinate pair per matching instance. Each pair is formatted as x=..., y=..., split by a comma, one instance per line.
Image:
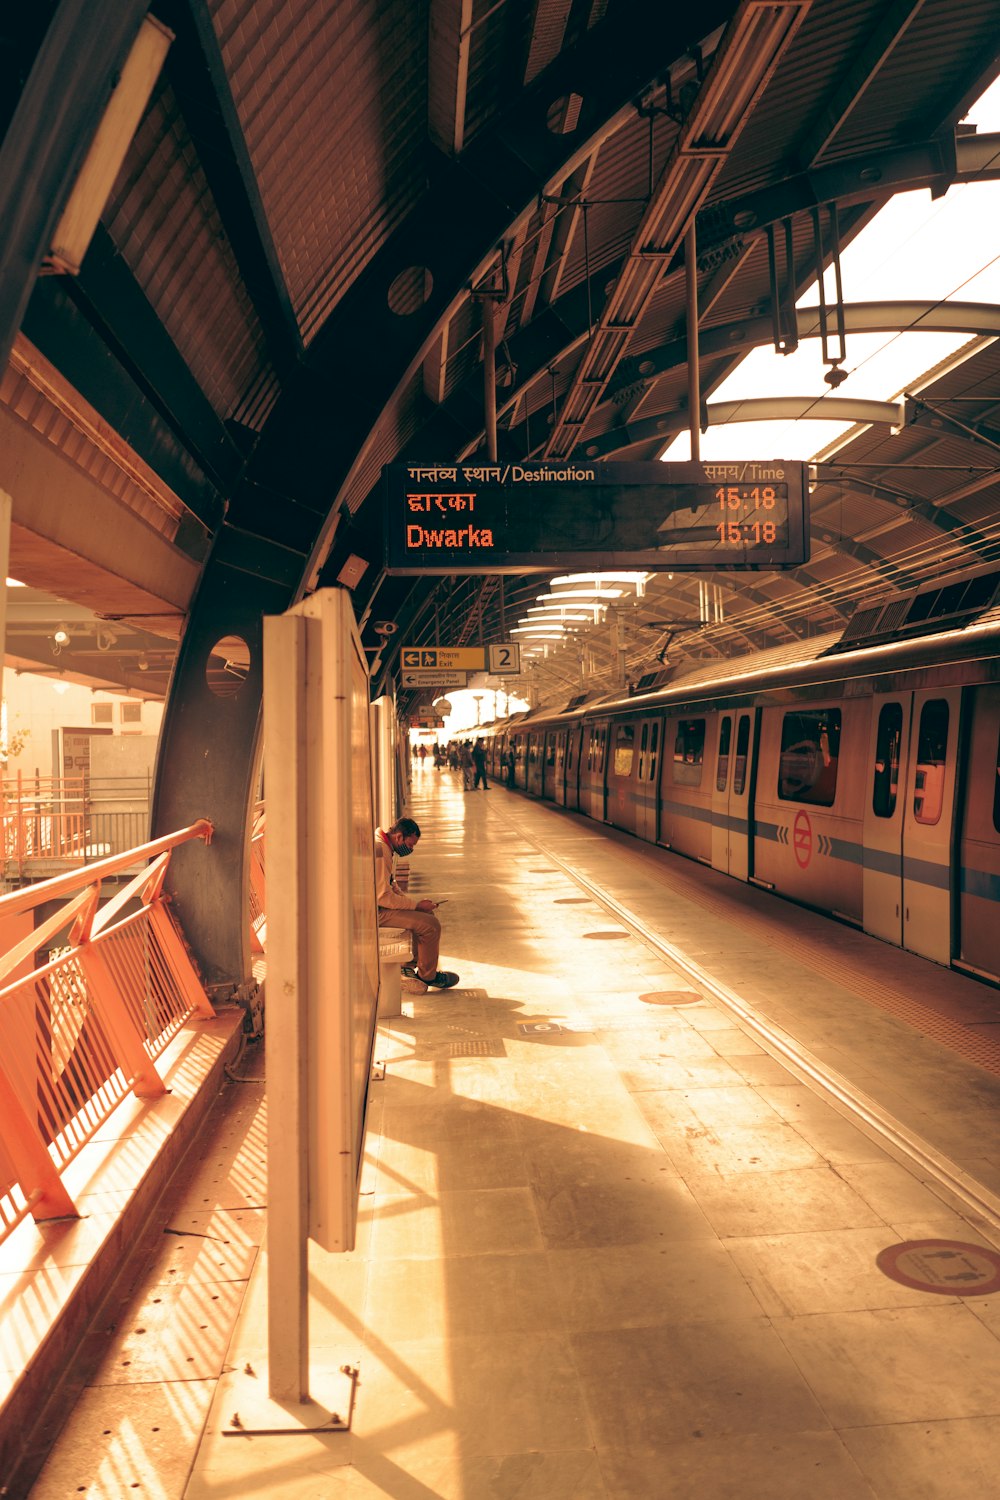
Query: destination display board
x=541, y=517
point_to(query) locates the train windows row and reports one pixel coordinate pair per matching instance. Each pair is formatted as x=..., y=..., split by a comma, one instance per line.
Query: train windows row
x=872, y=806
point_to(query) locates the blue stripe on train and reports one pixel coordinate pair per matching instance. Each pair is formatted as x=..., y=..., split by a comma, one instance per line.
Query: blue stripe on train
x=920, y=871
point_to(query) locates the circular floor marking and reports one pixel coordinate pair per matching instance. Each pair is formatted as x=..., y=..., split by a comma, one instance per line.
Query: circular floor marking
x=947, y=1266
x=670, y=997
x=607, y=934
x=572, y=901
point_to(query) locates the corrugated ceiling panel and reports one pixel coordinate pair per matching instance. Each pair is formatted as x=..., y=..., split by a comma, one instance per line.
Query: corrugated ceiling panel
x=618, y=192
x=774, y=139
x=398, y=426
x=929, y=67
x=32, y=407
x=163, y=219
x=333, y=103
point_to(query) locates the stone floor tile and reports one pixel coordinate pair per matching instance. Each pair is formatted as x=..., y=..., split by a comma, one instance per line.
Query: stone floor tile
x=767, y=1466
x=951, y=1460
x=913, y=1364
x=648, y=1389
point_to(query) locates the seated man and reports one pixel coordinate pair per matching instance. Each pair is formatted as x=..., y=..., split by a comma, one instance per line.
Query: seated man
x=396, y=909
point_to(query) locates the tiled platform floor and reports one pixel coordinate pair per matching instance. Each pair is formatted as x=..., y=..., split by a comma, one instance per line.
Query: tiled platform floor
x=632, y=1257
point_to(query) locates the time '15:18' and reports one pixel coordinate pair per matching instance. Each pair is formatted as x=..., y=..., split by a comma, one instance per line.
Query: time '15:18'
x=734, y=498
x=734, y=534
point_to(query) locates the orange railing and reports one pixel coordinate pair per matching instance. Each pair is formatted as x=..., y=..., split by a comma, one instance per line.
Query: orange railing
x=84, y=1028
x=52, y=821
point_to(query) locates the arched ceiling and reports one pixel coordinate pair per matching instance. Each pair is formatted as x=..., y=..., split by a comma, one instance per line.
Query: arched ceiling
x=286, y=289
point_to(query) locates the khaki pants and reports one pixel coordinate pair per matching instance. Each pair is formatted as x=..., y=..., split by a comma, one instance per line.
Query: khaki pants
x=426, y=930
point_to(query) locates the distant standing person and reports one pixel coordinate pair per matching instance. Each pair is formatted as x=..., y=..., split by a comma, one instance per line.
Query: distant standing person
x=396, y=909
x=466, y=765
x=479, y=761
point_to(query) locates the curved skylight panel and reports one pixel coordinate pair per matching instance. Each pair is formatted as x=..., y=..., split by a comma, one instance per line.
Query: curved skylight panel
x=917, y=248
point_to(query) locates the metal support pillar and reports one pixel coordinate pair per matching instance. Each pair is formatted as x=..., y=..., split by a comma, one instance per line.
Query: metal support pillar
x=694, y=364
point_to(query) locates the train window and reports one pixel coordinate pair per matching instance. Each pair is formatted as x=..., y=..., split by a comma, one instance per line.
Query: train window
x=932, y=743
x=722, y=770
x=571, y=743
x=810, y=748
x=550, y=749
x=996, y=792
x=742, y=747
x=689, y=752
x=887, y=743
x=624, y=749
x=654, y=745
x=643, y=744
x=600, y=741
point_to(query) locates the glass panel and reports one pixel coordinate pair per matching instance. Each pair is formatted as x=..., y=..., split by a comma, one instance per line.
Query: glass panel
x=742, y=747
x=722, y=770
x=885, y=785
x=689, y=752
x=624, y=749
x=643, y=743
x=654, y=745
x=932, y=743
x=810, y=748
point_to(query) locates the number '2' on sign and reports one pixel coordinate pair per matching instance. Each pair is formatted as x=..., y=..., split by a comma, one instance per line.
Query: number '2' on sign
x=505, y=659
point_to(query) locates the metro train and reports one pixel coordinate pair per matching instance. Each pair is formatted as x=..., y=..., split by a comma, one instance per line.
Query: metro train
x=859, y=775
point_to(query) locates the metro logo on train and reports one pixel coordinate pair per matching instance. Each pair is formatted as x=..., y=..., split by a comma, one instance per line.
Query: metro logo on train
x=537, y=517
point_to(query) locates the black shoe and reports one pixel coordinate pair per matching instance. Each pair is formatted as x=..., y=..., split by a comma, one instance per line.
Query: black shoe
x=409, y=971
x=442, y=980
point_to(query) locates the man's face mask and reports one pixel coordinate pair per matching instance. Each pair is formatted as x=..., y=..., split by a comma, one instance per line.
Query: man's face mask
x=401, y=847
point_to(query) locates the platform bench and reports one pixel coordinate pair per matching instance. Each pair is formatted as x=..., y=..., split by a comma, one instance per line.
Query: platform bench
x=395, y=948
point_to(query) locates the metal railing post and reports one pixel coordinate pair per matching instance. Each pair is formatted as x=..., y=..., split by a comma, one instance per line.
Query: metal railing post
x=127, y=1042
x=36, y=1172
x=179, y=959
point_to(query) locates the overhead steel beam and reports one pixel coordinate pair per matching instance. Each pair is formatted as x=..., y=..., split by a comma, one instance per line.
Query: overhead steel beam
x=448, y=80
x=911, y=316
x=115, y=304
x=198, y=77
x=744, y=62
x=757, y=409
x=68, y=338
x=60, y=108
x=868, y=177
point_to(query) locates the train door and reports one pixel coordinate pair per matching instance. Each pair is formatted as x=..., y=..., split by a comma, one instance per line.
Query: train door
x=731, y=795
x=621, y=775
x=928, y=823
x=979, y=851
x=557, y=788
x=882, y=875
x=575, y=740
x=647, y=780
x=593, y=780
x=720, y=794
x=552, y=767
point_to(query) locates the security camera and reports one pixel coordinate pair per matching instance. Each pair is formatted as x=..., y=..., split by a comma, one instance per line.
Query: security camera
x=385, y=627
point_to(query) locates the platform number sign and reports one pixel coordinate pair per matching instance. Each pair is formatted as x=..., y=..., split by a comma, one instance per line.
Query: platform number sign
x=505, y=659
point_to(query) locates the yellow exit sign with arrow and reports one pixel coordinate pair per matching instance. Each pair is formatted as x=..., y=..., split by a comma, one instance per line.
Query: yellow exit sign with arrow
x=435, y=658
